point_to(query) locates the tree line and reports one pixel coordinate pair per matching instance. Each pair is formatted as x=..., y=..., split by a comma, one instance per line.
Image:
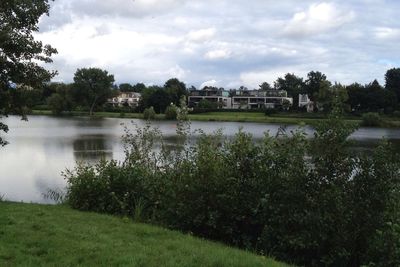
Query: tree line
x=92, y=87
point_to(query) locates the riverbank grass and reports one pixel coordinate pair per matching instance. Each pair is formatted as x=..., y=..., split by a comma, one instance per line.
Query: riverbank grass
x=43, y=235
x=259, y=117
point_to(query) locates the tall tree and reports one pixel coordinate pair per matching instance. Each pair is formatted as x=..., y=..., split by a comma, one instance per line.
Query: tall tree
x=293, y=85
x=139, y=87
x=392, y=78
x=315, y=82
x=176, y=89
x=265, y=86
x=356, y=96
x=371, y=97
x=19, y=52
x=160, y=100
x=92, y=87
x=125, y=87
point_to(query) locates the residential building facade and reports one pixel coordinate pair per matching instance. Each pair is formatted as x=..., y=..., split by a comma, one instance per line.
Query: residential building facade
x=130, y=99
x=243, y=99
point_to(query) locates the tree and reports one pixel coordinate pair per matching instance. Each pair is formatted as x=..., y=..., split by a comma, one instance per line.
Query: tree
x=139, y=87
x=355, y=93
x=176, y=89
x=371, y=98
x=160, y=100
x=293, y=85
x=314, y=83
x=171, y=112
x=265, y=86
x=20, y=54
x=392, y=78
x=92, y=87
x=328, y=97
x=56, y=103
x=206, y=104
x=125, y=87
x=61, y=100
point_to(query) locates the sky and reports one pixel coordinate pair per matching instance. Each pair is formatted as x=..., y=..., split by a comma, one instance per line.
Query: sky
x=224, y=43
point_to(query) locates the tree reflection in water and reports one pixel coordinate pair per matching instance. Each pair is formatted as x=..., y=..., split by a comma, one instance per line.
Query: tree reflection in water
x=92, y=148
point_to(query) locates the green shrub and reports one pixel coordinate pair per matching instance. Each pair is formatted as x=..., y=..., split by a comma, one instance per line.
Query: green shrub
x=41, y=107
x=206, y=104
x=371, y=119
x=149, y=113
x=270, y=111
x=56, y=103
x=311, y=202
x=106, y=188
x=171, y=112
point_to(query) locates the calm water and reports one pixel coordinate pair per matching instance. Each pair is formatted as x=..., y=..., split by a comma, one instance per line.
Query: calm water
x=43, y=147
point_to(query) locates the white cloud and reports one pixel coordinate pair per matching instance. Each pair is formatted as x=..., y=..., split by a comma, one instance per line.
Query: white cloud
x=218, y=54
x=319, y=18
x=387, y=33
x=233, y=42
x=175, y=72
x=253, y=79
x=202, y=35
x=128, y=8
x=209, y=83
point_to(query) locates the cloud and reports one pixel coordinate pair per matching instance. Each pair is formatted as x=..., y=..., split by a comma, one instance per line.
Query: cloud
x=218, y=54
x=202, y=35
x=232, y=43
x=126, y=8
x=209, y=83
x=319, y=18
x=255, y=78
x=386, y=33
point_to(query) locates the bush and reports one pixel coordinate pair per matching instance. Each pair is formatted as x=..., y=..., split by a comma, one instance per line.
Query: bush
x=149, y=113
x=270, y=111
x=41, y=107
x=309, y=202
x=56, y=103
x=171, y=112
x=371, y=119
x=206, y=104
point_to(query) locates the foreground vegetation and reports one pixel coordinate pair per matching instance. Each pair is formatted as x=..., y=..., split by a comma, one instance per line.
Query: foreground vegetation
x=40, y=235
x=310, y=202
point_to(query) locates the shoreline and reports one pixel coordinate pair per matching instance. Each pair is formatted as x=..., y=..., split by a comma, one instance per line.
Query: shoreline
x=255, y=117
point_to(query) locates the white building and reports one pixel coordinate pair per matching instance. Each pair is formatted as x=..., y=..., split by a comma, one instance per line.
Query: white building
x=130, y=99
x=246, y=99
x=305, y=101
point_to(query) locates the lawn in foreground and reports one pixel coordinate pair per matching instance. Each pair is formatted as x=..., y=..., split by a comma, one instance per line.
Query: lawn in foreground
x=43, y=235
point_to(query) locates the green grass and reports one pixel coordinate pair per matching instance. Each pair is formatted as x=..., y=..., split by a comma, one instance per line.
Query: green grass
x=42, y=235
x=279, y=118
x=258, y=117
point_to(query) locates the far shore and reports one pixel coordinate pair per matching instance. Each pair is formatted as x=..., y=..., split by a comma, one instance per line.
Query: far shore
x=257, y=117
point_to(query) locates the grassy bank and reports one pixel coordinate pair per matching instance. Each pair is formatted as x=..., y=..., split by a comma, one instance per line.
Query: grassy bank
x=259, y=117
x=251, y=117
x=41, y=235
x=209, y=116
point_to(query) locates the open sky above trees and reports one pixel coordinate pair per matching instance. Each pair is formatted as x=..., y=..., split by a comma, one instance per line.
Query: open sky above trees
x=224, y=43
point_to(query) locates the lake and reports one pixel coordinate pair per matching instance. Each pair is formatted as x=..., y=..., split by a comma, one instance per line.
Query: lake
x=41, y=148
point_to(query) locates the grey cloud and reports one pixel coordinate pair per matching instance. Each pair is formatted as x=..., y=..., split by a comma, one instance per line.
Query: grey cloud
x=126, y=8
x=231, y=42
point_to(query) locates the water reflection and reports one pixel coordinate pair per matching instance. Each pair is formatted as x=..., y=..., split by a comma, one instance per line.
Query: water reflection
x=92, y=148
x=43, y=147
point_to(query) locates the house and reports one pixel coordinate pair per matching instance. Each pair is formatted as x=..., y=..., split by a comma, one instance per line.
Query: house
x=257, y=99
x=214, y=95
x=124, y=99
x=241, y=99
x=305, y=102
